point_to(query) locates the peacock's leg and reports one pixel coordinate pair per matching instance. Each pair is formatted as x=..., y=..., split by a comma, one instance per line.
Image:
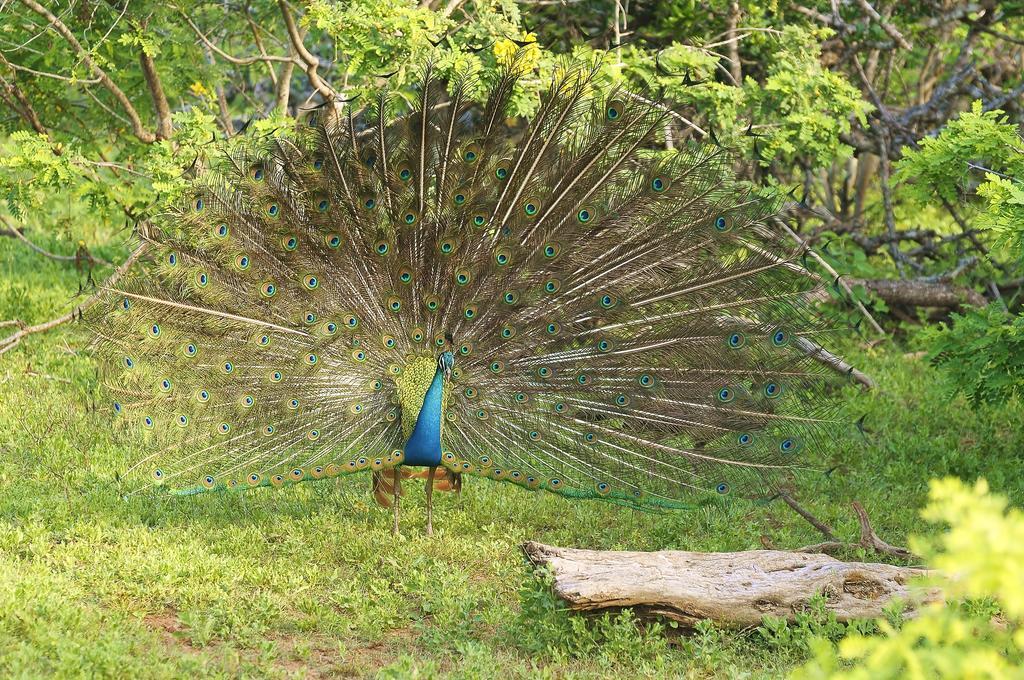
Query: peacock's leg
x=396, y=489
x=430, y=507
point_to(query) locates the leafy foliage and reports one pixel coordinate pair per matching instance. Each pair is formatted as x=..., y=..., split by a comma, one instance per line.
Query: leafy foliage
x=982, y=352
x=980, y=548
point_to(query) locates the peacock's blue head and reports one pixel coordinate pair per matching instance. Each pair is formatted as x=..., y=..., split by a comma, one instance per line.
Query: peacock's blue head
x=445, y=361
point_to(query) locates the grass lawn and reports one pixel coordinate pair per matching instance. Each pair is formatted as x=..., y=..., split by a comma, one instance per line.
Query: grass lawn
x=309, y=582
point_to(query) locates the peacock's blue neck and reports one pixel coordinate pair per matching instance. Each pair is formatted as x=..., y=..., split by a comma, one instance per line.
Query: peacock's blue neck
x=424, y=445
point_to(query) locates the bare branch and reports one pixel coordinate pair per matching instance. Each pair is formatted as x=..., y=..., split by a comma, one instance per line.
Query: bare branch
x=156, y=91
x=14, y=339
x=309, y=60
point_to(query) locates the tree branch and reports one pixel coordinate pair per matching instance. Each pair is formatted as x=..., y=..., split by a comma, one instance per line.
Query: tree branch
x=138, y=129
x=309, y=60
x=156, y=91
x=14, y=339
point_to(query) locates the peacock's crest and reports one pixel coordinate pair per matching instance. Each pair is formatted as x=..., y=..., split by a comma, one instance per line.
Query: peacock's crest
x=622, y=323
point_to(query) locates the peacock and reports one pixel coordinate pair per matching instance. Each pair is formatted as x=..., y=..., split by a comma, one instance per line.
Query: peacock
x=424, y=281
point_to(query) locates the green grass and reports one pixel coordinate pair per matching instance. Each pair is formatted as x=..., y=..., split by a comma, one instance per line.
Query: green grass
x=309, y=582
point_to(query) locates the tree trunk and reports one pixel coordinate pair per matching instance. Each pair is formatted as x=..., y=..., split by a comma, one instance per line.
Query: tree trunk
x=921, y=293
x=732, y=589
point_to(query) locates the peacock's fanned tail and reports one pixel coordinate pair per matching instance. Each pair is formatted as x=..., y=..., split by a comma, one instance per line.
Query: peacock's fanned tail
x=623, y=320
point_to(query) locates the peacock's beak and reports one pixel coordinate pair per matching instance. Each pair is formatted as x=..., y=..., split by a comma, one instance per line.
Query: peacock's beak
x=447, y=371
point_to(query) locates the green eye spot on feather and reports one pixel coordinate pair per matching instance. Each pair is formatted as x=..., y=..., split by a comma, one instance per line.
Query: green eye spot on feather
x=189, y=349
x=202, y=396
x=199, y=204
x=394, y=303
x=290, y=243
x=736, y=340
x=589, y=437
x=172, y=259
x=309, y=318
x=726, y=395
x=660, y=184
x=478, y=220
x=404, y=172
x=418, y=335
x=126, y=304
x=497, y=367
x=780, y=338
x=242, y=262
x=369, y=202
x=553, y=328
x=560, y=407
x=323, y=204
x=256, y=172
x=410, y=217
x=470, y=312
x=247, y=401
x=466, y=349
x=463, y=276
x=608, y=301
x=789, y=445
x=721, y=224
x=510, y=297
x=439, y=340
x=147, y=422
x=745, y=439
x=330, y=328
x=382, y=247
x=221, y=231
x=603, y=489
x=154, y=331
x=202, y=280
x=129, y=362
x=584, y=215
x=405, y=275
x=318, y=164
x=268, y=430
x=432, y=302
x=551, y=250
x=471, y=153
x=646, y=380
x=165, y=385
x=228, y=367
x=275, y=376
x=293, y=404
x=621, y=400
x=507, y=332
x=182, y=420
x=459, y=198
x=773, y=390
x=503, y=168
x=544, y=372
x=254, y=478
x=268, y=290
x=722, y=488
x=273, y=209
x=531, y=207
x=209, y=482
x=310, y=282
x=262, y=339
x=351, y=321
x=158, y=475
x=604, y=345
x=583, y=379
x=552, y=285
x=502, y=256
x=447, y=246
x=389, y=342
x=470, y=392
x=333, y=241
x=613, y=110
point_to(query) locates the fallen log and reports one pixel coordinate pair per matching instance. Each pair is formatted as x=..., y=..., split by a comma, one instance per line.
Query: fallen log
x=732, y=589
x=921, y=293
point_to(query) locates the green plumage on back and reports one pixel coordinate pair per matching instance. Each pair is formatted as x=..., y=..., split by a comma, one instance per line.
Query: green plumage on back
x=624, y=324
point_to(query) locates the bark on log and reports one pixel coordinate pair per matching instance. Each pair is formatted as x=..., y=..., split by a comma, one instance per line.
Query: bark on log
x=732, y=589
x=921, y=293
